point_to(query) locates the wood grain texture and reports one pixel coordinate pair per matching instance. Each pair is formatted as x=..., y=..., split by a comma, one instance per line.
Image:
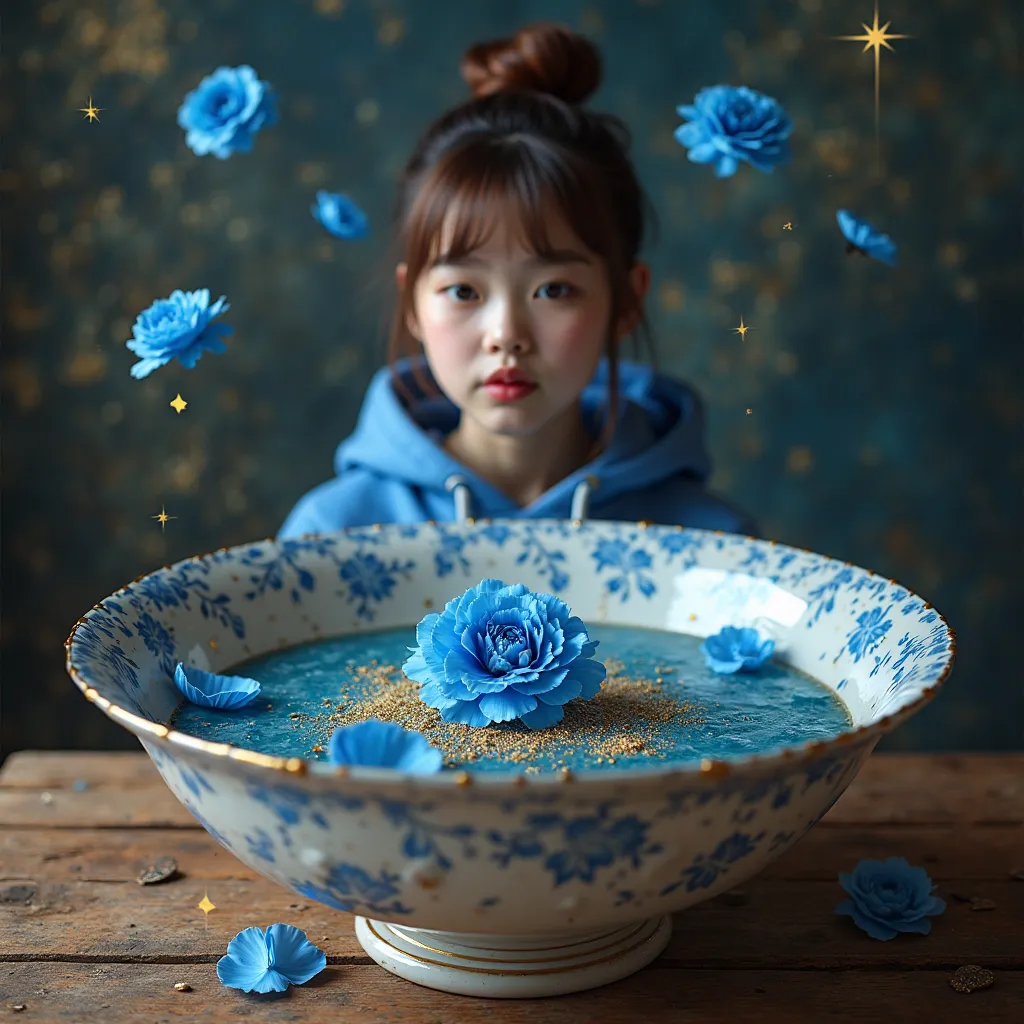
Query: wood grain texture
x=79, y=937
x=118, y=993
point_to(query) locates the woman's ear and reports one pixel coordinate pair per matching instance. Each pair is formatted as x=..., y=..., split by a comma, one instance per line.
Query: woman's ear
x=401, y=276
x=639, y=282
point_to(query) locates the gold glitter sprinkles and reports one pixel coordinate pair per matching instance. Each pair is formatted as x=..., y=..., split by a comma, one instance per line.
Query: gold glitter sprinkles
x=629, y=717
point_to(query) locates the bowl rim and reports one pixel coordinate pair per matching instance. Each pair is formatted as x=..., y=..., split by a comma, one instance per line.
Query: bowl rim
x=750, y=765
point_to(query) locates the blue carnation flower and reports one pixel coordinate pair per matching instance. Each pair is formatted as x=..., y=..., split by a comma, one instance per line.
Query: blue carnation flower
x=225, y=111
x=736, y=650
x=340, y=215
x=179, y=327
x=383, y=745
x=271, y=960
x=500, y=652
x=863, y=238
x=888, y=897
x=209, y=690
x=728, y=124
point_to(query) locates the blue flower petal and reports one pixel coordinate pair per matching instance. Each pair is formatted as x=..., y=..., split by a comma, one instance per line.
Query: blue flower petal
x=734, y=650
x=271, y=960
x=546, y=715
x=340, y=215
x=863, y=238
x=383, y=745
x=209, y=690
x=507, y=705
x=295, y=957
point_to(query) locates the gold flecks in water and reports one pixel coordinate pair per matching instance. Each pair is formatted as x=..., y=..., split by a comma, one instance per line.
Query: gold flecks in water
x=628, y=717
x=970, y=978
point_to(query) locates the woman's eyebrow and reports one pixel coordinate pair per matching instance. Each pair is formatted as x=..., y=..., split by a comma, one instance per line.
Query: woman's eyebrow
x=552, y=258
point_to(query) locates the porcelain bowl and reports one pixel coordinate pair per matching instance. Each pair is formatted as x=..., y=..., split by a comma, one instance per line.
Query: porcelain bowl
x=500, y=883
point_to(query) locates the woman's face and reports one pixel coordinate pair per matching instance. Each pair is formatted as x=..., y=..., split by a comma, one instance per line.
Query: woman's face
x=503, y=308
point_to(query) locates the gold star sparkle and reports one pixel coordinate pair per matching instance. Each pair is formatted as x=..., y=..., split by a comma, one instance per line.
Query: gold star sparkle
x=875, y=38
x=163, y=518
x=788, y=226
x=178, y=405
x=742, y=329
x=91, y=112
x=205, y=904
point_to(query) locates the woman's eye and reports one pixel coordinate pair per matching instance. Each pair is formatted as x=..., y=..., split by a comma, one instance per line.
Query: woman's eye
x=560, y=289
x=460, y=292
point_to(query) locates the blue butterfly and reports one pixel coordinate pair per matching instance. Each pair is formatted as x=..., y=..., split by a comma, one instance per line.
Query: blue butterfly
x=863, y=238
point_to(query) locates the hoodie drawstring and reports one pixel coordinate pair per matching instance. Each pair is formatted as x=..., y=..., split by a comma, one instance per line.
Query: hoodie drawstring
x=457, y=484
x=579, y=506
x=581, y=498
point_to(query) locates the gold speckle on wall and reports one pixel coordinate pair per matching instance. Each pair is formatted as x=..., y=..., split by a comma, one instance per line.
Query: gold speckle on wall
x=311, y=172
x=367, y=111
x=390, y=31
x=672, y=296
x=799, y=460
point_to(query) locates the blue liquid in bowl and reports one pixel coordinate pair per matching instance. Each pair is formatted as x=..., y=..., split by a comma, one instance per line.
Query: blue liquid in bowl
x=660, y=704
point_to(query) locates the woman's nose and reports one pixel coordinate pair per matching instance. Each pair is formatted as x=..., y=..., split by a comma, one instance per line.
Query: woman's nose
x=507, y=331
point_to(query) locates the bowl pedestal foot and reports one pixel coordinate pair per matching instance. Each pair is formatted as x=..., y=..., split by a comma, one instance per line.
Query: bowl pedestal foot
x=513, y=966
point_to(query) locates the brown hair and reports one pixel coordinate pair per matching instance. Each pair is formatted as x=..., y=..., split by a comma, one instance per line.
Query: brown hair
x=525, y=141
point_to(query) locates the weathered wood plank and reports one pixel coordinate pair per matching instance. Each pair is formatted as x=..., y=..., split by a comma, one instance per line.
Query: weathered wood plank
x=934, y=789
x=118, y=993
x=779, y=925
x=60, y=769
x=125, y=789
x=117, y=855
x=146, y=806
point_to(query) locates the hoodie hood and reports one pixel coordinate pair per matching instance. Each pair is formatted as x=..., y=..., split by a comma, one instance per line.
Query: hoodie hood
x=658, y=435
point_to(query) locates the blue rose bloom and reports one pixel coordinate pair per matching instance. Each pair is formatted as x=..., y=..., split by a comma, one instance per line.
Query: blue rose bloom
x=736, y=650
x=729, y=124
x=271, y=960
x=225, y=111
x=179, y=327
x=863, y=238
x=500, y=652
x=888, y=897
x=383, y=745
x=342, y=217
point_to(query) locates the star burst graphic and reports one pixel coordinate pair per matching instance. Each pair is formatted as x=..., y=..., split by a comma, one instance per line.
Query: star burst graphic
x=875, y=38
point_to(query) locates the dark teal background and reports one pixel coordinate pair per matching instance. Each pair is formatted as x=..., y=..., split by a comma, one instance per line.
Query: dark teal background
x=886, y=405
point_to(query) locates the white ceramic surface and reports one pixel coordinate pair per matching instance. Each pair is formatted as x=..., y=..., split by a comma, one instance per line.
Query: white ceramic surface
x=501, y=884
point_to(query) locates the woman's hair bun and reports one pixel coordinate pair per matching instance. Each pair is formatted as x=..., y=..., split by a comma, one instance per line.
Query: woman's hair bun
x=543, y=57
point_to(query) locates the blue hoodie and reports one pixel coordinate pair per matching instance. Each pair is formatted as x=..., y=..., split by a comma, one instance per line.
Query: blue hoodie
x=393, y=468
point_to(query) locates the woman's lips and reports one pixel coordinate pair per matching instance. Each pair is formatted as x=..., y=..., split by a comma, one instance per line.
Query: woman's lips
x=513, y=391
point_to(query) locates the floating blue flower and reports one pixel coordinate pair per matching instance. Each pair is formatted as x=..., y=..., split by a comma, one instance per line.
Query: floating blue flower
x=225, y=111
x=500, y=652
x=383, y=745
x=209, y=690
x=728, y=124
x=736, y=650
x=863, y=238
x=340, y=215
x=271, y=960
x=888, y=897
x=179, y=327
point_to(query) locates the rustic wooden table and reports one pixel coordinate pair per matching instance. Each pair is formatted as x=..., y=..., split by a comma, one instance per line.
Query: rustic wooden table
x=80, y=939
